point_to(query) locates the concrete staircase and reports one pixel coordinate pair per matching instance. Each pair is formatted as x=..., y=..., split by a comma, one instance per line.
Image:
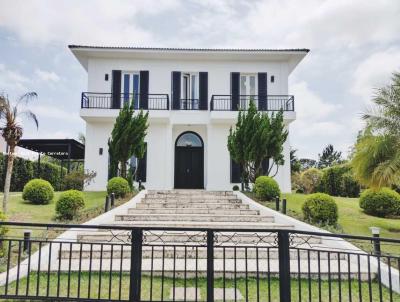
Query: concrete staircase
x=185, y=252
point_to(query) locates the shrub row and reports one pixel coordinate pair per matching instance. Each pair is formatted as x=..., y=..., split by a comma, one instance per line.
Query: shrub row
x=336, y=181
x=25, y=170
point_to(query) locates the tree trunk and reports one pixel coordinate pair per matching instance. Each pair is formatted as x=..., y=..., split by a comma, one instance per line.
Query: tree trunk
x=123, y=169
x=7, y=182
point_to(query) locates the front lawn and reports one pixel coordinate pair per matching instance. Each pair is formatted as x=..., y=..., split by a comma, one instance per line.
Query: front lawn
x=20, y=210
x=352, y=220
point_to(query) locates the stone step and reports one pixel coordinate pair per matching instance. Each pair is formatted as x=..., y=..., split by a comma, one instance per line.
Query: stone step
x=156, y=252
x=189, y=268
x=176, y=238
x=190, y=192
x=212, y=205
x=192, y=211
x=202, y=225
x=183, y=199
x=193, y=217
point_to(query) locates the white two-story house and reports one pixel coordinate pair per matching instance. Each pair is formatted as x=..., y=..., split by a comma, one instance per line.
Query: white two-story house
x=192, y=96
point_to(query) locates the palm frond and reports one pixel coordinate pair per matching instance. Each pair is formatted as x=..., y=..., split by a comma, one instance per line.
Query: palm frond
x=31, y=116
x=26, y=97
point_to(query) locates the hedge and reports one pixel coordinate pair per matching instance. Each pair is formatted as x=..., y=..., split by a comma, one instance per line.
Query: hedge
x=25, y=170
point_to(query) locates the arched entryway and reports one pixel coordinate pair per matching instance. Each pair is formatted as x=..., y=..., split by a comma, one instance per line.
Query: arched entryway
x=189, y=161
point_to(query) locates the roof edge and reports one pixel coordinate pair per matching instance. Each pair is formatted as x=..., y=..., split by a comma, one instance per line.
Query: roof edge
x=73, y=46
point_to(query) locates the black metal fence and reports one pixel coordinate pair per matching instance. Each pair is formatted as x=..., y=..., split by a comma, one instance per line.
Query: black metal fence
x=268, y=102
x=117, y=263
x=96, y=100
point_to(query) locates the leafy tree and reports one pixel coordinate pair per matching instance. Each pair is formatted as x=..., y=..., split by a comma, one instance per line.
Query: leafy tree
x=329, y=157
x=256, y=143
x=376, y=159
x=127, y=139
x=307, y=163
x=295, y=164
x=12, y=131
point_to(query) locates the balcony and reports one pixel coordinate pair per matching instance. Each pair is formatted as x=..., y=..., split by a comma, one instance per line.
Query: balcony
x=242, y=102
x=96, y=100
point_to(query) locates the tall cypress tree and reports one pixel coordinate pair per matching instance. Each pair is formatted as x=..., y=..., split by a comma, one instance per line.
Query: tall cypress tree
x=256, y=139
x=127, y=139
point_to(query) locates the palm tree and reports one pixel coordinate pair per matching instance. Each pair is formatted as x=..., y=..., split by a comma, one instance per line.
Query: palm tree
x=376, y=160
x=12, y=131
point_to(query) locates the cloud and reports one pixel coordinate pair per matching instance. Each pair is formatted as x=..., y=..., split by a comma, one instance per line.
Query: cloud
x=81, y=22
x=12, y=81
x=308, y=103
x=374, y=72
x=47, y=76
x=322, y=24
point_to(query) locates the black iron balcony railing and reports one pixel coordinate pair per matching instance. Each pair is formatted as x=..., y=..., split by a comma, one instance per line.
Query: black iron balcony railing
x=262, y=102
x=189, y=104
x=98, y=100
x=127, y=263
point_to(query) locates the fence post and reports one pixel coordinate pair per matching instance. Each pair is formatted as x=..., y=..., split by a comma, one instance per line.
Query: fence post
x=107, y=204
x=284, y=266
x=136, y=265
x=210, y=266
x=277, y=203
x=284, y=206
x=112, y=200
x=27, y=239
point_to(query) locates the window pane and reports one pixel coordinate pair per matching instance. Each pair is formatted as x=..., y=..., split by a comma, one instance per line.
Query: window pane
x=252, y=85
x=242, y=84
x=189, y=140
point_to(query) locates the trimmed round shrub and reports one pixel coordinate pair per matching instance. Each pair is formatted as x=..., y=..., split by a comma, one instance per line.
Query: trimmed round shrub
x=69, y=204
x=310, y=180
x=266, y=188
x=38, y=191
x=235, y=188
x=119, y=186
x=320, y=208
x=381, y=203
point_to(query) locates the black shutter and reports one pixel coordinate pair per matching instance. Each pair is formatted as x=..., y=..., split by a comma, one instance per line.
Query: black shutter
x=144, y=89
x=176, y=90
x=235, y=172
x=235, y=92
x=262, y=91
x=142, y=167
x=203, y=90
x=116, y=89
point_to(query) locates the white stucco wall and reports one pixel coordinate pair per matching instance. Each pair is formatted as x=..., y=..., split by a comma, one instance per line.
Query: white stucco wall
x=166, y=126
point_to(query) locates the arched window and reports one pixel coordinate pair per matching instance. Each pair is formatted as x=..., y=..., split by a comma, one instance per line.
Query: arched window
x=189, y=139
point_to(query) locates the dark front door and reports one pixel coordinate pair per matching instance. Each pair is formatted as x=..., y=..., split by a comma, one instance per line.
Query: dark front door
x=189, y=168
x=189, y=173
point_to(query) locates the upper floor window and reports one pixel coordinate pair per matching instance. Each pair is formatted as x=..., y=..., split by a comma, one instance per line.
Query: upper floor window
x=190, y=90
x=130, y=87
x=248, y=84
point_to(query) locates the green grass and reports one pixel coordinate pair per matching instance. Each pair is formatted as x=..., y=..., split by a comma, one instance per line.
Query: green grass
x=352, y=220
x=265, y=287
x=22, y=211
